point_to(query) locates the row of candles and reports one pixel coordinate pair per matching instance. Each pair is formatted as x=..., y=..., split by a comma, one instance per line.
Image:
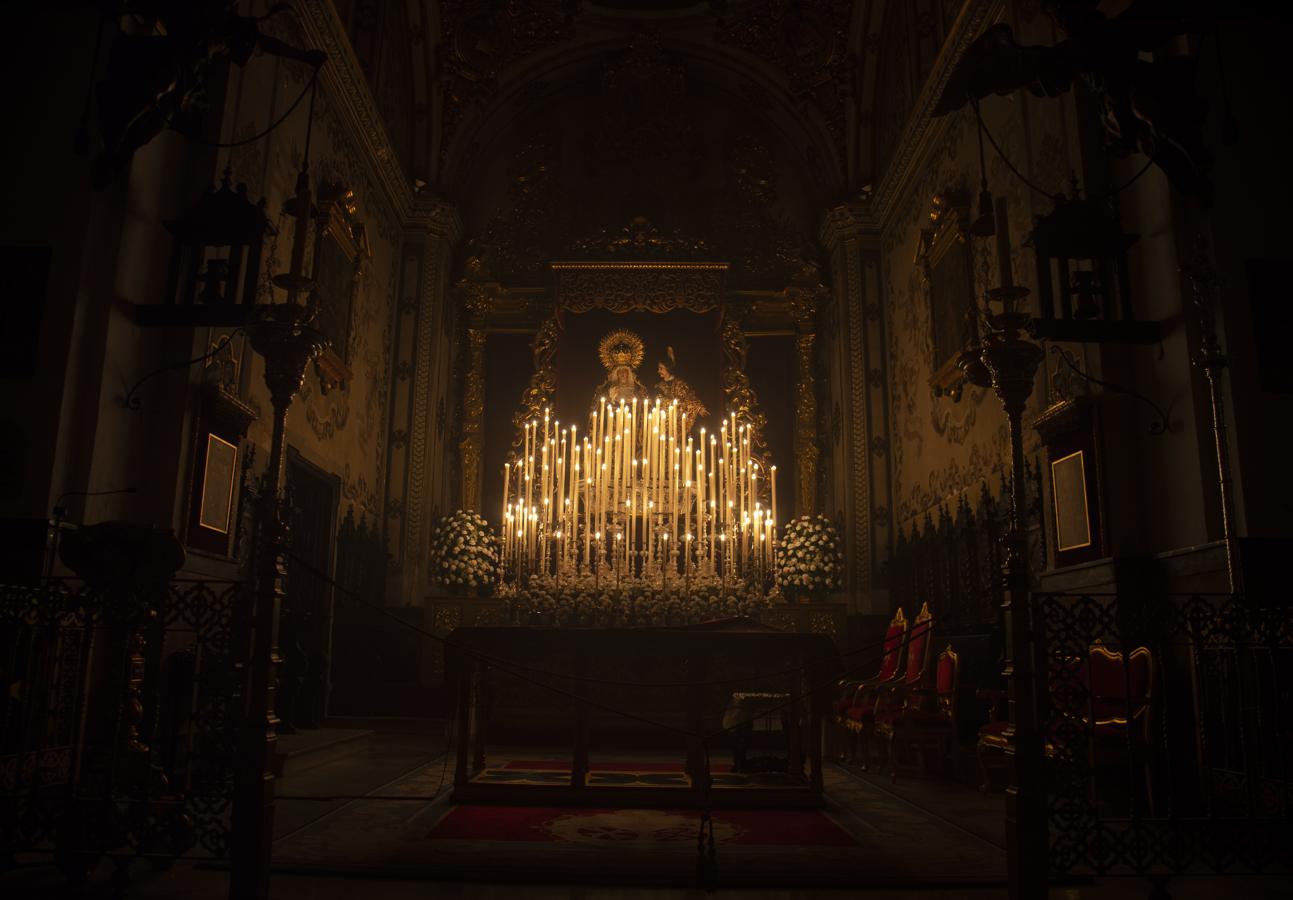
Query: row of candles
x=639, y=492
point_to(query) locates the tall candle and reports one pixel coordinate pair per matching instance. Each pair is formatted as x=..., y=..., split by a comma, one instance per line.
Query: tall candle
x=1003, y=243
x=774, y=504
x=507, y=480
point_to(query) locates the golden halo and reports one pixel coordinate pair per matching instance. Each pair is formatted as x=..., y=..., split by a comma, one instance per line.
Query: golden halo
x=620, y=348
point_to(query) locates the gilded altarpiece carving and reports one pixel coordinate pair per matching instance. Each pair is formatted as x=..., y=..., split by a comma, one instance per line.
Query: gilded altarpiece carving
x=477, y=295
x=625, y=286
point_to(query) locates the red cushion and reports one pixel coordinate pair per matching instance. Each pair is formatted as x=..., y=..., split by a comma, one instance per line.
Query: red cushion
x=892, y=645
x=860, y=713
x=888, y=710
x=993, y=729
x=916, y=653
x=911, y=714
x=1113, y=682
x=945, y=677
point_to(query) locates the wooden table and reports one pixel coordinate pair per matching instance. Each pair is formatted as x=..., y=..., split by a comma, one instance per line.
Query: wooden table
x=807, y=665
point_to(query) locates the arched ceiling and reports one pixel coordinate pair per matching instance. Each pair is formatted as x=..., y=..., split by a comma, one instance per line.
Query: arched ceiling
x=643, y=102
x=789, y=64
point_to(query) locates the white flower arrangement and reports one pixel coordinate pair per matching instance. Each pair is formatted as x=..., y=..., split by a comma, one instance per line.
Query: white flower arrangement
x=809, y=558
x=464, y=552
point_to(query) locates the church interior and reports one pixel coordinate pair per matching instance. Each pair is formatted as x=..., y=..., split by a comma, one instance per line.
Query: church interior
x=646, y=449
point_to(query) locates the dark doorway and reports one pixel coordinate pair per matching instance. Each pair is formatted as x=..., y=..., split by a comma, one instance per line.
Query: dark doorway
x=305, y=635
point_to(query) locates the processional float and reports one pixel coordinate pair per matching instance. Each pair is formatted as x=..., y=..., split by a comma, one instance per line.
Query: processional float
x=642, y=495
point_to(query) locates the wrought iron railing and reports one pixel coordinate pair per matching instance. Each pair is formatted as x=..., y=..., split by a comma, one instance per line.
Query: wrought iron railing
x=1168, y=730
x=119, y=720
x=953, y=559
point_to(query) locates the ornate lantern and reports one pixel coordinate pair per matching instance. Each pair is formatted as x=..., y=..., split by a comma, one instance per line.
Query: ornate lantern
x=1082, y=266
x=215, y=263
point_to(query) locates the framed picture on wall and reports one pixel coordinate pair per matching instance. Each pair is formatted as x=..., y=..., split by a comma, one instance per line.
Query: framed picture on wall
x=219, y=476
x=1072, y=512
x=217, y=470
x=945, y=263
x=1068, y=430
x=341, y=249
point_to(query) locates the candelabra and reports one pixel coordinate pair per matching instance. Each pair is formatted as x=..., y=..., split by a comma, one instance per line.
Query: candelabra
x=1007, y=362
x=639, y=495
x=283, y=334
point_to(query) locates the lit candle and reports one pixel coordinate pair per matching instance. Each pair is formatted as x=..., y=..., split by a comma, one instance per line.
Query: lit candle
x=561, y=481
x=507, y=480
x=774, y=495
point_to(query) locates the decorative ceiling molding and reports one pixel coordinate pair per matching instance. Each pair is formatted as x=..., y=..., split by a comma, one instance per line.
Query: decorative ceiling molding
x=845, y=221
x=923, y=132
x=808, y=43
x=639, y=286
x=478, y=41
x=639, y=239
x=603, y=43
x=342, y=79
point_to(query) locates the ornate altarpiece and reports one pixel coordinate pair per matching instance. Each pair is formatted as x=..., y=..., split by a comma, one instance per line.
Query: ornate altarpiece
x=627, y=286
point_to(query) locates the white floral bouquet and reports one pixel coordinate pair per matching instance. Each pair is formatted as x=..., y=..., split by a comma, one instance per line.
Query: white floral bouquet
x=464, y=553
x=809, y=559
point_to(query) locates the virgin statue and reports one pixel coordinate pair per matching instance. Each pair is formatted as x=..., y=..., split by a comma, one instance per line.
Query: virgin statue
x=621, y=353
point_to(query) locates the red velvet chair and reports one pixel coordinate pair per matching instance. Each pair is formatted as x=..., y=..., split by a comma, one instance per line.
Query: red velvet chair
x=894, y=638
x=1111, y=711
x=861, y=715
x=923, y=720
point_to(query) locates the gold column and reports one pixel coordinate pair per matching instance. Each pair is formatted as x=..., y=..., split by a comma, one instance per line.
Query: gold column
x=478, y=299
x=804, y=304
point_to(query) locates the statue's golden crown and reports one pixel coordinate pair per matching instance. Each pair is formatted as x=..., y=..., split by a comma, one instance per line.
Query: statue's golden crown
x=621, y=348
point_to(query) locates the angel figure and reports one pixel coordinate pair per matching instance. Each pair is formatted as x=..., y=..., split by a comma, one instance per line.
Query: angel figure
x=671, y=387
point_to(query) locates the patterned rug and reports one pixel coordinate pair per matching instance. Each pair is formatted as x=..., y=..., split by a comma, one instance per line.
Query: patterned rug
x=641, y=828
x=864, y=837
x=629, y=776
x=562, y=765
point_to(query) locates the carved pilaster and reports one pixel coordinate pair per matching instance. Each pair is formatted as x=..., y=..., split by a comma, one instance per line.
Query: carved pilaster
x=421, y=345
x=543, y=380
x=472, y=445
x=738, y=396
x=804, y=303
x=477, y=292
x=856, y=351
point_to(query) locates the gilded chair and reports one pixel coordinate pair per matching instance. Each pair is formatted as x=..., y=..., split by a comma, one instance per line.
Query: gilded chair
x=894, y=639
x=1121, y=703
x=924, y=722
x=861, y=716
x=1107, y=716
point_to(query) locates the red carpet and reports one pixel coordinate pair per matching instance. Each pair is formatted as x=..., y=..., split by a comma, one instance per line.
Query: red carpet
x=561, y=765
x=637, y=826
x=865, y=837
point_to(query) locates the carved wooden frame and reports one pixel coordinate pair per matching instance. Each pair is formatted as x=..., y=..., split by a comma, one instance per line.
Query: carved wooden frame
x=334, y=221
x=949, y=229
x=633, y=286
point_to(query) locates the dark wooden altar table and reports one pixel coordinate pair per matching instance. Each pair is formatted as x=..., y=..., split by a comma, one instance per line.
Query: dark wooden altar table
x=713, y=656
